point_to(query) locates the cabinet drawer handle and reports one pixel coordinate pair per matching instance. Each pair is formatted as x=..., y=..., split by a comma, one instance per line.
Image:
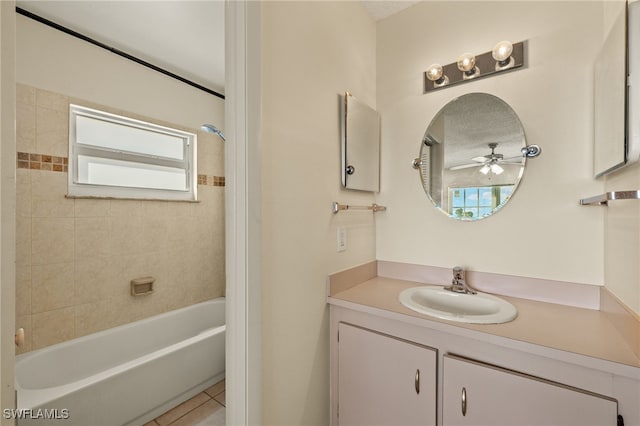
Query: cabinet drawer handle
x=417, y=382
x=464, y=402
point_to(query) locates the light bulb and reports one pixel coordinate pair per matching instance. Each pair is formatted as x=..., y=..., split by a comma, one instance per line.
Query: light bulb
x=485, y=169
x=467, y=64
x=502, y=54
x=435, y=73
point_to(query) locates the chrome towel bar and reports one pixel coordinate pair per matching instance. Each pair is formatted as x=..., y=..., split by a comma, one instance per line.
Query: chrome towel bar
x=603, y=200
x=336, y=207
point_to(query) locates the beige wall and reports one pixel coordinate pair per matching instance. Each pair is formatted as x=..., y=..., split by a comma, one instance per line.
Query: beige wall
x=51, y=60
x=622, y=239
x=75, y=258
x=542, y=232
x=311, y=53
x=622, y=219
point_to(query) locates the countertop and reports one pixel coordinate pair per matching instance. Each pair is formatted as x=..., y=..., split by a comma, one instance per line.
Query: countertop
x=574, y=331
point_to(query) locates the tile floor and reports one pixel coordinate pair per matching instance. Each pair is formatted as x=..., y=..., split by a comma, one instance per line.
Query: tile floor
x=204, y=409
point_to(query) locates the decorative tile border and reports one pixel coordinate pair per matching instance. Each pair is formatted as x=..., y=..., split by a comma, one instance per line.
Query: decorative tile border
x=211, y=180
x=51, y=163
x=27, y=160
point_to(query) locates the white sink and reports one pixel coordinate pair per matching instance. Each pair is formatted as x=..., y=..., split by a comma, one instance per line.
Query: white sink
x=480, y=308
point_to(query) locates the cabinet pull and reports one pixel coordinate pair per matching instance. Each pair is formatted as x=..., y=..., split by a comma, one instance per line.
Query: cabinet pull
x=464, y=402
x=417, y=381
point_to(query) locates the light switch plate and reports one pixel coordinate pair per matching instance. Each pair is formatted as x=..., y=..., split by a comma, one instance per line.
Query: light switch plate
x=342, y=239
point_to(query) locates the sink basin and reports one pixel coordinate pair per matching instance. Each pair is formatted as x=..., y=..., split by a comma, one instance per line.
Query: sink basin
x=480, y=308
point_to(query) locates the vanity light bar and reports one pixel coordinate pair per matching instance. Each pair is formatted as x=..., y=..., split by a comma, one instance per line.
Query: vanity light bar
x=505, y=56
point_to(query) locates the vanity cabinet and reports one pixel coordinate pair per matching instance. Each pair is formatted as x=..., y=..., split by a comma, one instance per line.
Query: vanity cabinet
x=480, y=394
x=384, y=380
x=376, y=354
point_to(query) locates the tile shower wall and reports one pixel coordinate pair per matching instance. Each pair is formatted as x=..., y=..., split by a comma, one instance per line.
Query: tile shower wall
x=75, y=257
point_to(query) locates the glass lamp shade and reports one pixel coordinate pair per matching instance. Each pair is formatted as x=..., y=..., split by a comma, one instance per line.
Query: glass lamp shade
x=485, y=169
x=435, y=73
x=496, y=169
x=502, y=51
x=466, y=62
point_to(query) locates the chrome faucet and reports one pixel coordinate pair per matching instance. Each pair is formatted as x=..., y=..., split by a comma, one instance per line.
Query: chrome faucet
x=458, y=284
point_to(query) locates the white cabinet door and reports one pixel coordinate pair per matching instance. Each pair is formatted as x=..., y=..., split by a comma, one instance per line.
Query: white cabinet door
x=383, y=380
x=479, y=394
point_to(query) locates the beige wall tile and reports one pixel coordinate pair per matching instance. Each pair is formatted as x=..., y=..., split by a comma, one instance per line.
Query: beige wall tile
x=23, y=289
x=23, y=240
x=92, y=236
x=92, y=317
x=49, y=328
x=52, y=240
x=25, y=94
x=92, y=208
x=182, y=233
x=52, y=131
x=122, y=269
x=206, y=160
x=61, y=207
x=156, y=208
x=52, y=287
x=91, y=279
x=23, y=271
x=52, y=100
x=23, y=297
x=25, y=127
x=180, y=209
x=23, y=192
x=126, y=235
x=155, y=233
x=48, y=190
x=125, y=208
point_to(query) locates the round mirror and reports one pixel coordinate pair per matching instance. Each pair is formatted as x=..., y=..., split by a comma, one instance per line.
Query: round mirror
x=471, y=158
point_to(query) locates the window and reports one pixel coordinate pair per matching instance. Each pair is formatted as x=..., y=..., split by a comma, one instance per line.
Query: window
x=119, y=157
x=476, y=202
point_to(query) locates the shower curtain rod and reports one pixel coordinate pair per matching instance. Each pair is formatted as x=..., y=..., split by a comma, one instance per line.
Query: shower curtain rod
x=118, y=52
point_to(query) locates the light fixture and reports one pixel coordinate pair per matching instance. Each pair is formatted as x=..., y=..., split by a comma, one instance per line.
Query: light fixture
x=496, y=169
x=492, y=167
x=501, y=53
x=467, y=64
x=505, y=56
x=435, y=73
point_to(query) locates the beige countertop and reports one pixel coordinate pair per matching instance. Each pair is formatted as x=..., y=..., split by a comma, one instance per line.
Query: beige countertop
x=574, y=330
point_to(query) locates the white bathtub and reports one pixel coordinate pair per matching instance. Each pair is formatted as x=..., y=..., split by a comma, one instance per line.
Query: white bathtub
x=126, y=375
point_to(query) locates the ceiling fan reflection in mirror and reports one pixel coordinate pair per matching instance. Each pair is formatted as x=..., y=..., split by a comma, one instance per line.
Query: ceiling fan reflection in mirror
x=490, y=162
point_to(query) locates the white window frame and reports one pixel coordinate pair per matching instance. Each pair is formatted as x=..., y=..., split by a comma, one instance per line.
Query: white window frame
x=78, y=189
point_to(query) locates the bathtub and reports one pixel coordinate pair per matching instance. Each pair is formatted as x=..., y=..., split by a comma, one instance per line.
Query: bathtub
x=126, y=375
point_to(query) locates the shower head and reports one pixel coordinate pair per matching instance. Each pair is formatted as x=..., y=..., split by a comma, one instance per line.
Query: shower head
x=210, y=128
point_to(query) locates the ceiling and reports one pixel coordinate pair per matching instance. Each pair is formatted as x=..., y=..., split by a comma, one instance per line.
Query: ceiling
x=184, y=37
x=380, y=9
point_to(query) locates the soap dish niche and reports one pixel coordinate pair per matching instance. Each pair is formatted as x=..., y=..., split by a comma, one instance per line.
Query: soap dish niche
x=142, y=286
